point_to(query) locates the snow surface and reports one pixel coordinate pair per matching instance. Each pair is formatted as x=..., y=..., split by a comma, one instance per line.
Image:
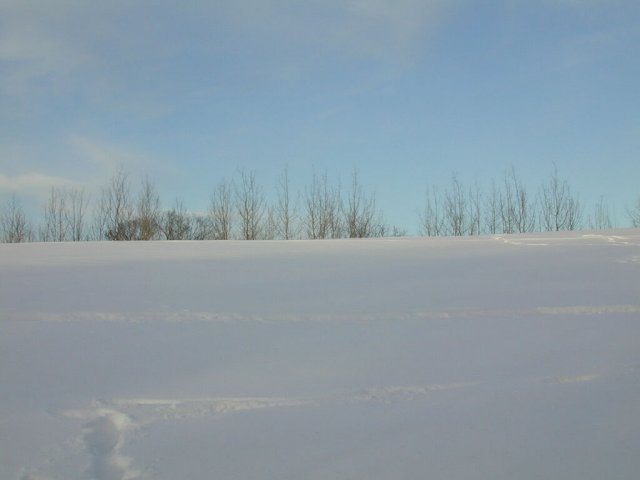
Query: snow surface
x=487, y=358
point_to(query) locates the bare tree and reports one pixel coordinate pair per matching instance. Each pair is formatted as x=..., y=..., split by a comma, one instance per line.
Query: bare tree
x=455, y=209
x=361, y=216
x=313, y=209
x=99, y=225
x=284, y=215
x=492, y=211
x=601, y=218
x=322, y=206
x=115, y=217
x=64, y=216
x=269, y=224
x=507, y=201
x=14, y=226
x=55, y=226
x=456, y=212
x=76, y=213
x=526, y=209
x=634, y=214
x=250, y=204
x=175, y=223
x=517, y=210
x=431, y=217
x=147, y=215
x=559, y=209
x=574, y=219
x=395, y=232
x=201, y=228
x=475, y=210
x=221, y=211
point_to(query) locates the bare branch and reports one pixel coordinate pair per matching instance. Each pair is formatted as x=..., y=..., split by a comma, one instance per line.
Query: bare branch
x=250, y=204
x=221, y=211
x=147, y=217
x=76, y=214
x=56, y=227
x=560, y=210
x=14, y=226
x=284, y=215
x=115, y=216
x=431, y=218
x=362, y=218
x=634, y=214
x=175, y=224
x=322, y=207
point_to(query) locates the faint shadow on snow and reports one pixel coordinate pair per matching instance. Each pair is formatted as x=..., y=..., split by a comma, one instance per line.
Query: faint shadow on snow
x=398, y=393
x=103, y=436
x=529, y=242
x=185, y=316
x=615, y=239
x=108, y=423
x=588, y=377
x=579, y=310
x=554, y=240
x=633, y=260
x=32, y=476
x=151, y=410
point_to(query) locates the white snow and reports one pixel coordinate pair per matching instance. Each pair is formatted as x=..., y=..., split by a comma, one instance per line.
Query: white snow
x=488, y=358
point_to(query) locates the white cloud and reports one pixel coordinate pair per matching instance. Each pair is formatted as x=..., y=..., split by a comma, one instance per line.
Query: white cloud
x=34, y=183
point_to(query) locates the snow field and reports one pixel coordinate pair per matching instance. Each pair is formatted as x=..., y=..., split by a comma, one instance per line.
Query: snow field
x=491, y=357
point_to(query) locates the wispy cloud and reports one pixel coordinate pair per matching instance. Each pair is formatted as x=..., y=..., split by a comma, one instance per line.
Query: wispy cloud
x=585, y=3
x=107, y=54
x=106, y=157
x=586, y=48
x=33, y=183
x=39, y=45
x=96, y=54
x=611, y=26
x=374, y=29
x=86, y=162
x=394, y=27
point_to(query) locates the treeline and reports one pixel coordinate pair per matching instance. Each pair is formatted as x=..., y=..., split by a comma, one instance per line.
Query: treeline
x=508, y=207
x=240, y=209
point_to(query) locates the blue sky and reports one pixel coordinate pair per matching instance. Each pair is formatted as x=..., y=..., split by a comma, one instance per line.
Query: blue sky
x=406, y=91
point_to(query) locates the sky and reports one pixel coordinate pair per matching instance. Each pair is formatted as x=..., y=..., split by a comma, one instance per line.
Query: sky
x=405, y=91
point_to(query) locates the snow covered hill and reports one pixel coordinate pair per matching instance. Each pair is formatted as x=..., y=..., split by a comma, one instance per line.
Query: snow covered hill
x=487, y=358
